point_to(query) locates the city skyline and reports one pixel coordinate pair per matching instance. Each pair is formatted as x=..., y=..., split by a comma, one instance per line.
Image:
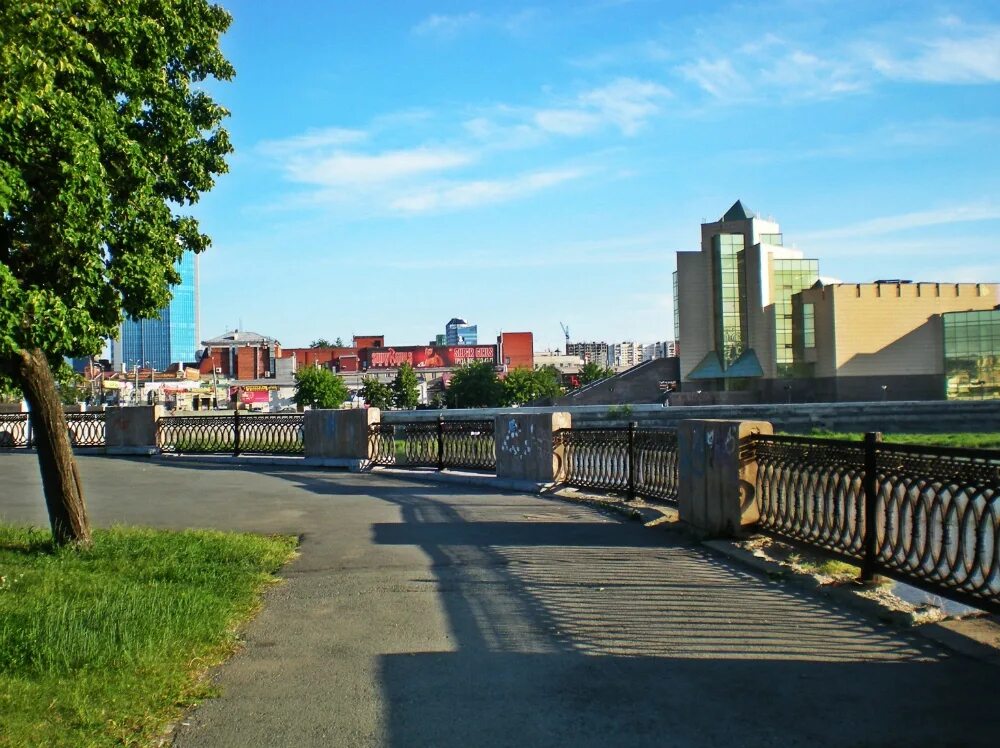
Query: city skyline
x=525, y=165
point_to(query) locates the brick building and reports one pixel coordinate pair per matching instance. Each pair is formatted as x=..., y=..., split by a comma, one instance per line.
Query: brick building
x=240, y=354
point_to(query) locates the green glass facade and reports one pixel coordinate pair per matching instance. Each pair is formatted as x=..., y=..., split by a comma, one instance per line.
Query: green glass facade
x=729, y=261
x=789, y=277
x=972, y=354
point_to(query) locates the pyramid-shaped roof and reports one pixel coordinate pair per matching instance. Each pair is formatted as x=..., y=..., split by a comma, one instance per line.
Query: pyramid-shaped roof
x=737, y=213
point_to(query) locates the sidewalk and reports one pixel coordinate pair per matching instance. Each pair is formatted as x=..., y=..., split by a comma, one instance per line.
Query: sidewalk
x=421, y=614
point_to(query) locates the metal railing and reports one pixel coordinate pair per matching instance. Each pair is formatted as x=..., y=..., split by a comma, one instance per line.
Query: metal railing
x=633, y=461
x=86, y=429
x=440, y=444
x=267, y=433
x=927, y=516
x=83, y=429
x=14, y=431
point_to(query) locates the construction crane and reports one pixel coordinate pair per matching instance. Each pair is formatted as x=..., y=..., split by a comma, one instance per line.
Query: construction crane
x=566, y=333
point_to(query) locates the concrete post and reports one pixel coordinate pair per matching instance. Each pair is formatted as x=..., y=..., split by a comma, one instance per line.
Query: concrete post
x=339, y=438
x=525, y=446
x=131, y=430
x=717, y=475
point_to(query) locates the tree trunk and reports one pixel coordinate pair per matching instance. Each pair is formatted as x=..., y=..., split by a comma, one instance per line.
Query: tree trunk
x=60, y=477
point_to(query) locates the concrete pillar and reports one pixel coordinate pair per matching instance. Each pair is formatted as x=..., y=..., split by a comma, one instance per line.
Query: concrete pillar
x=131, y=430
x=717, y=475
x=525, y=446
x=339, y=438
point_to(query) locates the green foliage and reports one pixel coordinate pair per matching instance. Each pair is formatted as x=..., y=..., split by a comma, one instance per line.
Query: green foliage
x=591, y=372
x=522, y=386
x=474, y=386
x=73, y=387
x=339, y=342
x=319, y=388
x=377, y=394
x=405, y=390
x=105, y=131
x=106, y=646
x=320, y=343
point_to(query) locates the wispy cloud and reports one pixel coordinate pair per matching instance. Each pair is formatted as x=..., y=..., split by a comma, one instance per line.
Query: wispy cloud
x=313, y=140
x=906, y=221
x=480, y=192
x=450, y=26
x=958, y=54
x=346, y=169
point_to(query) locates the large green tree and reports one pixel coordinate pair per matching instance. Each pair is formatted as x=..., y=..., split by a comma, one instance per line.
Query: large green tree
x=106, y=135
x=474, y=386
x=522, y=386
x=592, y=371
x=376, y=393
x=405, y=389
x=319, y=388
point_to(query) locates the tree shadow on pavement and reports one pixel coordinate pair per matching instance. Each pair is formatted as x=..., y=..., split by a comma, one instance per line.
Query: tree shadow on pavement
x=569, y=629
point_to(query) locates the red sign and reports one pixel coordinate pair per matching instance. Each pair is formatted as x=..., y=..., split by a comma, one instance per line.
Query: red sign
x=430, y=356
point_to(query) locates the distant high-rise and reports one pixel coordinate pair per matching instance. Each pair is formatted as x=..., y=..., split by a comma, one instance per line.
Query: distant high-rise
x=172, y=338
x=460, y=332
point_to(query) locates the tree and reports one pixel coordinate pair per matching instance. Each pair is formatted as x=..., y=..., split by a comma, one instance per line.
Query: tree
x=105, y=135
x=591, y=372
x=377, y=394
x=319, y=388
x=320, y=343
x=522, y=386
x=474, y=386
x=339, y=342
x=405, y=390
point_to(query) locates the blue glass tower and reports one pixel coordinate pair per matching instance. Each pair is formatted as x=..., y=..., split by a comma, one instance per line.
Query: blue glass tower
x=460, y=332
x=170, y=339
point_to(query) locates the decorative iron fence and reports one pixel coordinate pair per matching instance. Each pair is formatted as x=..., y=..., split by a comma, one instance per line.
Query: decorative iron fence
x=928, y=516
x=14, y=431
x=83, y=429
x=268, y=433
x=86, y=429
x=633, y=461
x=440, y=444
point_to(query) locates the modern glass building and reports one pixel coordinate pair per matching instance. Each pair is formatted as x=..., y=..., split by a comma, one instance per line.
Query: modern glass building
x=460, y=332
x=733, y=307
x=790, y=277
x=172, y=338
x=972, y=354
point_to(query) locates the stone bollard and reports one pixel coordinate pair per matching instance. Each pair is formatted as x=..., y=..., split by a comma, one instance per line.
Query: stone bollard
x=131, y=430
x=339, y=438
x=717, y=475
x=526, y=447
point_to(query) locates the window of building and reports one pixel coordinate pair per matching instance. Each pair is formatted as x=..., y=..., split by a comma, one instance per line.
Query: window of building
x=790, y=277
x=972, y=354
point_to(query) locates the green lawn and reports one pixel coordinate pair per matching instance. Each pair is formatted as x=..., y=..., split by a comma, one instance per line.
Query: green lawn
x=107, y=646
x=969, y=440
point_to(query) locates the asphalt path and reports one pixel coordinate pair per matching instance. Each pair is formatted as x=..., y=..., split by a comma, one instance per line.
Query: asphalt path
x=419, y=614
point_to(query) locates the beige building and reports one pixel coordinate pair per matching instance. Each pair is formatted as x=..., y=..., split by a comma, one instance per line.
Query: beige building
x=734, y=303
x=853, y=339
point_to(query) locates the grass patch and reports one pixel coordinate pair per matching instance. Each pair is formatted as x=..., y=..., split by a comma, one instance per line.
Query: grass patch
x=967, y=440
x=106, y=646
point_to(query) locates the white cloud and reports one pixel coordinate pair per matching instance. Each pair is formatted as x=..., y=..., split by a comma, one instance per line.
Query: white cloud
x=717, y=77
x=447, y=25
x=567, y=121
x=342, y=168
x=967, y=57
x=313, y=140
x=626, y=102
x=480, y=192
x=906, y=221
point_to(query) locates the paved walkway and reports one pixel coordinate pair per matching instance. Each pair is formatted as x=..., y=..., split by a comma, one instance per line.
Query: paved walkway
x=429, y=615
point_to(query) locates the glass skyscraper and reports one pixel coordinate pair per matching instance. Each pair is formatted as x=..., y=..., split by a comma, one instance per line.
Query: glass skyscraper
x=460, y=332
x=172, y=338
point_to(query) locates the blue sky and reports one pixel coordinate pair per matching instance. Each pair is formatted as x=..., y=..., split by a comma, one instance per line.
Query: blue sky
x=522, y=164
